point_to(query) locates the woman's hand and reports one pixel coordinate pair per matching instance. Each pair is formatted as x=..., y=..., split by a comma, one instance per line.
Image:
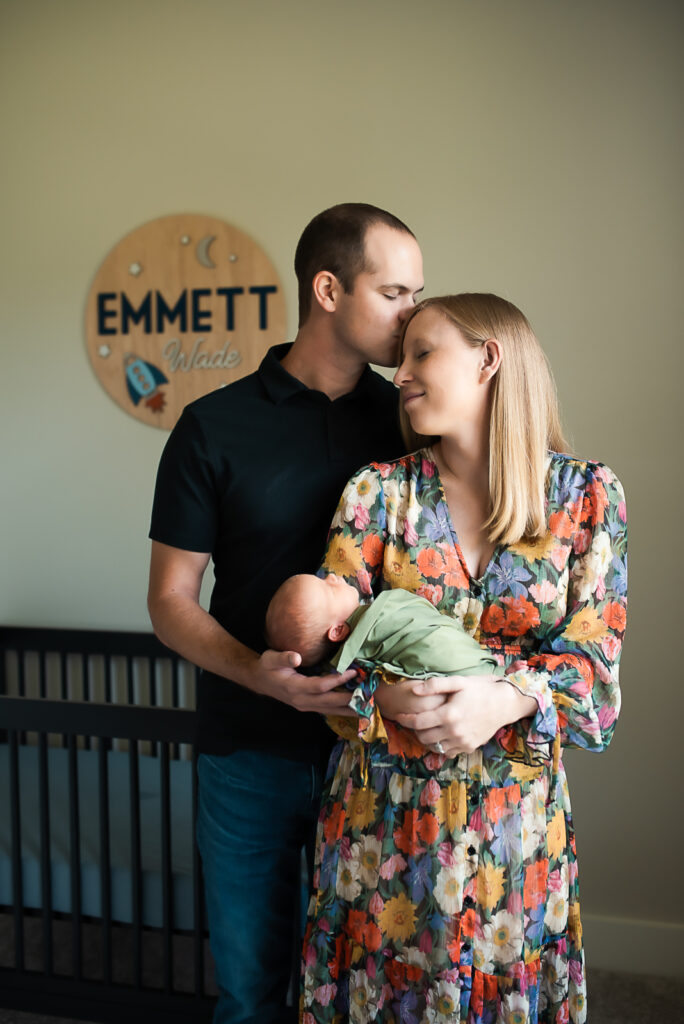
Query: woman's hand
x=398, y=698
x=476, y=707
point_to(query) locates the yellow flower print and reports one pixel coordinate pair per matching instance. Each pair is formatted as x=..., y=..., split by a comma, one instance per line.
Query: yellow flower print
x=535, y=550
x=343, y=557
x=398, y=919
x=555, y=835
x=575, y=924
x=586, y=626
x=399, y=571
x=452, y=806
x=361, y=808
x=526, y=772
x=490, y=885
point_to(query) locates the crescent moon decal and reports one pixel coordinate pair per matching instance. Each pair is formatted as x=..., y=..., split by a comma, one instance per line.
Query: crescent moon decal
x=202, y=251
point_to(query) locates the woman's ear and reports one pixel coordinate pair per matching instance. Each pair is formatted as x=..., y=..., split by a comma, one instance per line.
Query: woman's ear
x=325, y=288
x=490, y=360
x=339, y=632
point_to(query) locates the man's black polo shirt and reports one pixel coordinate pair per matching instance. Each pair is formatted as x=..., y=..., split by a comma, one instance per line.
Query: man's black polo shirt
x=252, y=473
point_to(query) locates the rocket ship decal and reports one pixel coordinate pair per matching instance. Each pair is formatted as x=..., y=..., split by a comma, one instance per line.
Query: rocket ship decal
x=143, y=380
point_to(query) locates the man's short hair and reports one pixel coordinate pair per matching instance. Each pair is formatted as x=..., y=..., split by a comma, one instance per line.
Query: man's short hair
x=335, y=241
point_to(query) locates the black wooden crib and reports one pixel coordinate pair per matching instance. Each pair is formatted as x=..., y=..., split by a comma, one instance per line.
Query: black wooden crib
x=101, y=903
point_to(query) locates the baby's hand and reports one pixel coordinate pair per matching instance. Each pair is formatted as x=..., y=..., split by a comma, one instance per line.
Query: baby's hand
x=399, y=699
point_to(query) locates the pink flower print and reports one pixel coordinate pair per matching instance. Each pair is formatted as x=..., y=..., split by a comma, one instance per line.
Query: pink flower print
x=324, y=994
x=432, y=592
x=559, y=557
x=361, y=517
x=364, y=581
x=544, y=592
x=611, y=647
x=581, y=542
x=622, y=511
x=427, y=468
x=430, y=794
x=376, y=904
x=393, y=864
x=410, y=535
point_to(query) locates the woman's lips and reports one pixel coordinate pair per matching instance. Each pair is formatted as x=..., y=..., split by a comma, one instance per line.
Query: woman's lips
x=411, y=396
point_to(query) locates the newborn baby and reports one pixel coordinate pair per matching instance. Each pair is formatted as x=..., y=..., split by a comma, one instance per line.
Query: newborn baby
x=399, y=631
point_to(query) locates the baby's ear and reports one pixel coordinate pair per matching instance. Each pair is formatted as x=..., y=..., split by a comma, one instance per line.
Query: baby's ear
x=339, y=632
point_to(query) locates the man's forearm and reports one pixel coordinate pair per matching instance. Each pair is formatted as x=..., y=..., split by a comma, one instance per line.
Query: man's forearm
x=185, y=627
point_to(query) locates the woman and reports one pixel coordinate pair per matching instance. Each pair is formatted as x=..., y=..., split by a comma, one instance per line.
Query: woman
x=446, y=879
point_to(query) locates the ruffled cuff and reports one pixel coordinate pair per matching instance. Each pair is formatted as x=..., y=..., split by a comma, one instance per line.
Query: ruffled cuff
x=543, y=727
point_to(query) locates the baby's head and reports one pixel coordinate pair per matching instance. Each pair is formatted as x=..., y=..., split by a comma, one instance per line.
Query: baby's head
x=308, y=615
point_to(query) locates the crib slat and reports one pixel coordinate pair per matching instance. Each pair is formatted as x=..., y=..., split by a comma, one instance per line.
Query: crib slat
x=17, y=873
x=105, y=865
x=42, y=676
x=108, y=679
x=167, y=908
x=64, y=675
x=129, y=679
x=136, y=912
x=45, y=872
x=75, y=858
x=197, y=897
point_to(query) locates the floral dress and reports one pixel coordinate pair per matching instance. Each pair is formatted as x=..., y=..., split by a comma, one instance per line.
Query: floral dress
x=446, y=889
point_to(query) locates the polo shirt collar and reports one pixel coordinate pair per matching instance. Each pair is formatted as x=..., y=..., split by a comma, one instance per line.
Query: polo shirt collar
x=281, y=385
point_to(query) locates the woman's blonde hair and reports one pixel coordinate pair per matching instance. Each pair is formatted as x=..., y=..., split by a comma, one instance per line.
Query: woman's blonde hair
x=525, y=420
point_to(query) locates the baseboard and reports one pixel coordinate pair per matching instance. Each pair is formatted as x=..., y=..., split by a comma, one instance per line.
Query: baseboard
x=634, y=946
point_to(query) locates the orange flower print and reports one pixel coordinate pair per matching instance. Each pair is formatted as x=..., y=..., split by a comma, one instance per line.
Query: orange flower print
x=428, y=828
x=561, y=524
x=595, y=504
x=534, y=891
x=430, y=563
x=334, y=823
x=454, y=575
x=495, y=804
x=493, y=619
x=521, y=616
x=355, y=925
x=372, y=548
x=615, y=616
x=406, y=837
x=372, y=937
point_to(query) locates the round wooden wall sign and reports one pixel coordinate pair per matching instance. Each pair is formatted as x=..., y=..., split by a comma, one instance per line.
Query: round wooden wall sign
x=180, y=306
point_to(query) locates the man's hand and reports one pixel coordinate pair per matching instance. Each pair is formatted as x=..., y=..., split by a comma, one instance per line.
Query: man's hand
x=476, y=708
x=275, y=675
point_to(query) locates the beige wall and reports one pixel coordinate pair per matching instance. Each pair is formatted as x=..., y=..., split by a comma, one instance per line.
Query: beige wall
x=535, y=148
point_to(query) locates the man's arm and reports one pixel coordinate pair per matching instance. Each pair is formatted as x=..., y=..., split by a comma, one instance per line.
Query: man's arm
x=182, y=624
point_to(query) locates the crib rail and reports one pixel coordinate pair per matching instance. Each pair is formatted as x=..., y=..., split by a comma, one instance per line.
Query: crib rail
x=54, y=979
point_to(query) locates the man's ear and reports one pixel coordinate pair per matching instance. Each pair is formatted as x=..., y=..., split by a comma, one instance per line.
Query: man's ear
x=491, y=359
x=339, y=632
x=326, y=288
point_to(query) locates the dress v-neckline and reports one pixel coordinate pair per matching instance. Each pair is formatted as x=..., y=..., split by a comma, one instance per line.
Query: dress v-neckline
x=477, y=580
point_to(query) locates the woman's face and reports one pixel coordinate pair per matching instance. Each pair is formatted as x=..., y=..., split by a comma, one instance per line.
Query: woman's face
x=440, y=376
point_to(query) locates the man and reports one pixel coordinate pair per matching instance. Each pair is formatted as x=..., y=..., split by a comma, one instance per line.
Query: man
x=250, y=477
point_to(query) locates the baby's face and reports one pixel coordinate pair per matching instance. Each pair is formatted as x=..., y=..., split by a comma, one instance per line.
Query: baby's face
x=333, y=599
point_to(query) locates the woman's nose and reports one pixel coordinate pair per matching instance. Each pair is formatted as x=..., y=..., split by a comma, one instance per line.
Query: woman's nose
x=402, y=375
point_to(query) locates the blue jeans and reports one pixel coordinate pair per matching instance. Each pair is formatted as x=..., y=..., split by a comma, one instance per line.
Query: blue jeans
x=255, y=813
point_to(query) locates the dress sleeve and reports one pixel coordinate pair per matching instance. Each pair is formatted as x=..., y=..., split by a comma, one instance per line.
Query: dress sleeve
x=357, y=535
x=355, y=551
x=574, y=674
